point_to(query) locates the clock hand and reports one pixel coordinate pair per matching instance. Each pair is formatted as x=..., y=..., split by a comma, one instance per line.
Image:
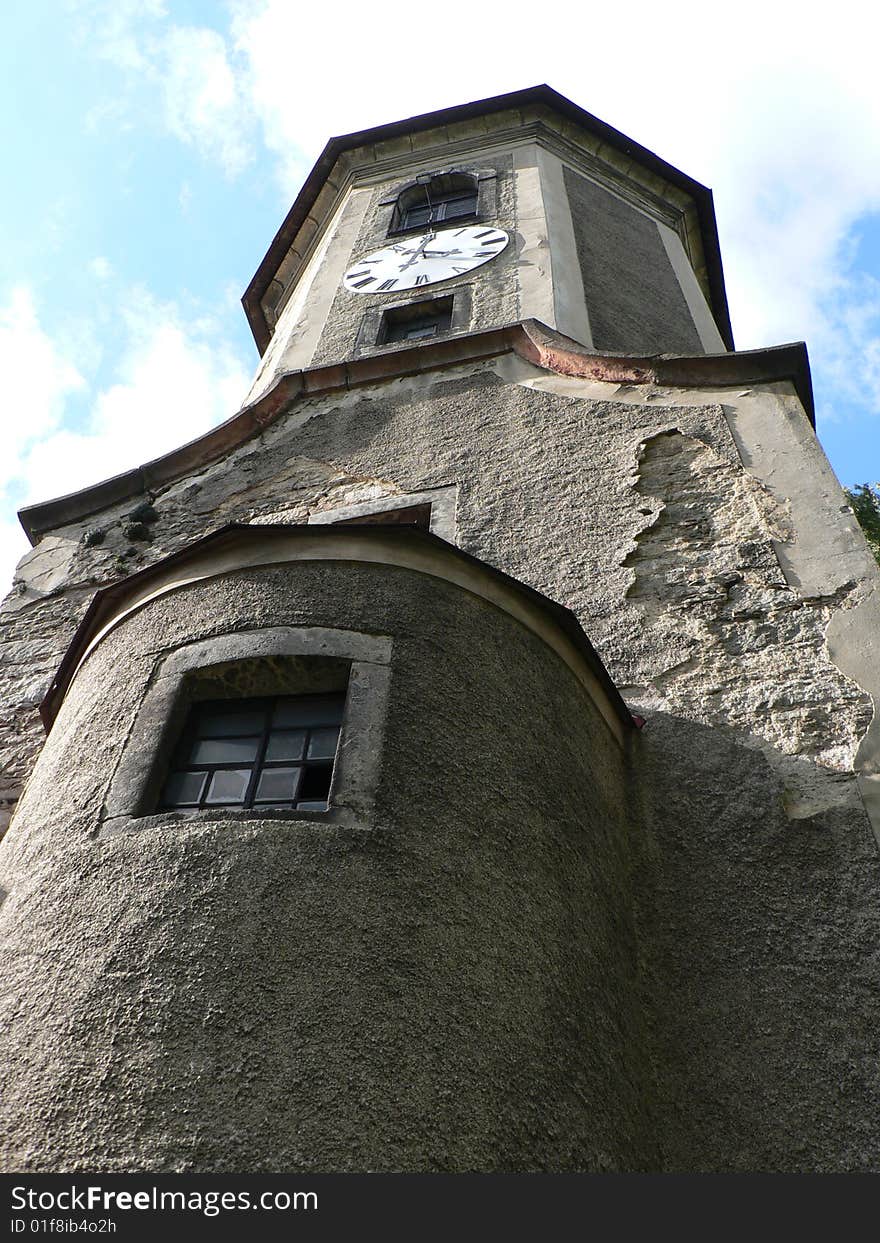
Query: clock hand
x=417, y=254
x=426, y=241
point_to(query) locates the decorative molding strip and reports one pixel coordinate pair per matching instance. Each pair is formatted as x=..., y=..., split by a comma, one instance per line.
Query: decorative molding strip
x=529, y=339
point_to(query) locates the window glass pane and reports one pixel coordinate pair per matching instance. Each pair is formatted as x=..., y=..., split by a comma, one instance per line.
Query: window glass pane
x=315, y=782
x=229, y=786
x=277, y=783
x=286, y=746
x=420, y=330
x=225, y=766
x=416, y=215
x=229, y=721
x=322, y=744
x=460, y=207
x=225, y=751
x=315, y=805
x=309, y=710
x=184, y=789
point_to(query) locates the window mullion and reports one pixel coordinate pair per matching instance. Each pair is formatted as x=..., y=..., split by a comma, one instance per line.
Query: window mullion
x=251, y=790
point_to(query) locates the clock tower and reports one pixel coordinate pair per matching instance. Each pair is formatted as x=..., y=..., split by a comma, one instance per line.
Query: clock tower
x=466, y=756
x=611, y=246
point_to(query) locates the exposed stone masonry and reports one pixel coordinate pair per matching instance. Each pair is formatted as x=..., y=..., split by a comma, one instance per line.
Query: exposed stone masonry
x=727, y=640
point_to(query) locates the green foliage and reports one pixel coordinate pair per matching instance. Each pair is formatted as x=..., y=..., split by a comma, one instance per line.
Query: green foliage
x=865, y=500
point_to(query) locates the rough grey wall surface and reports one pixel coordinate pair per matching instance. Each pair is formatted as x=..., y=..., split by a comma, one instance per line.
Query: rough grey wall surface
x=494, y=293
x=453, y=986
x=640, y=518
x=634, y=299
x=767, y=931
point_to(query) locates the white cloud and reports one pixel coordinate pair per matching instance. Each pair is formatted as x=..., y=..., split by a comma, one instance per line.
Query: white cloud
x=190, y=68
x=203, y=103
x=37, y=382
x=115, y=30
x=175, y=379
x=845, y=347
x=310, y=73
x=37, y=378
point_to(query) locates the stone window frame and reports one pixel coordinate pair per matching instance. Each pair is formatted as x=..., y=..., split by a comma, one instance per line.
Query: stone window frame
x=443, y=502
x=370, y=331
x=487, y=199
x=130, y=804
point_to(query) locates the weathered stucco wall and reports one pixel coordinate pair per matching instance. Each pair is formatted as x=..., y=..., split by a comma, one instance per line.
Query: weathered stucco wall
x=632, y=510
x=665, y=520
x=764, y=933
x=452, y=983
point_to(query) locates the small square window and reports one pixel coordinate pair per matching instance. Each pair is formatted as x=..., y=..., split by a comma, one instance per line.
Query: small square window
x=267, y=753
x=416, y=321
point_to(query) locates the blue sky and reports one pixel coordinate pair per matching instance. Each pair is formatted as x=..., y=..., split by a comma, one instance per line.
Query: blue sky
x=152, y=148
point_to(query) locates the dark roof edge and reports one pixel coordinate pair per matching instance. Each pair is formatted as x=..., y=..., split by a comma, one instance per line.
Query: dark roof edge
x=530, y=339
x=542, y=94
x=104, y=601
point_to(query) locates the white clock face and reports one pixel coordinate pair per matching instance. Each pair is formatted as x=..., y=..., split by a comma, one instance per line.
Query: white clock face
x=425, y=259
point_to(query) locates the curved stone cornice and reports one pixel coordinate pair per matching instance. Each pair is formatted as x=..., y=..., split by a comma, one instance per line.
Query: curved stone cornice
x=244, y=546
x=529, y=339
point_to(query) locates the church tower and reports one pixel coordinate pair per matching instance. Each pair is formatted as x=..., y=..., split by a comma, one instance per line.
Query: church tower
x=465, y=757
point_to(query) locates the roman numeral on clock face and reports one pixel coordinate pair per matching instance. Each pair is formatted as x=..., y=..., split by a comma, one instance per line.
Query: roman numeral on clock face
x=421, y=280
x=359, y=284
x=389, y=284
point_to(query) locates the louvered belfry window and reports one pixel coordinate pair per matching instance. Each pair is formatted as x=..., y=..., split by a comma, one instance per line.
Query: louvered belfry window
x=453, y=205
x=435, y=200
x=266, y=753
